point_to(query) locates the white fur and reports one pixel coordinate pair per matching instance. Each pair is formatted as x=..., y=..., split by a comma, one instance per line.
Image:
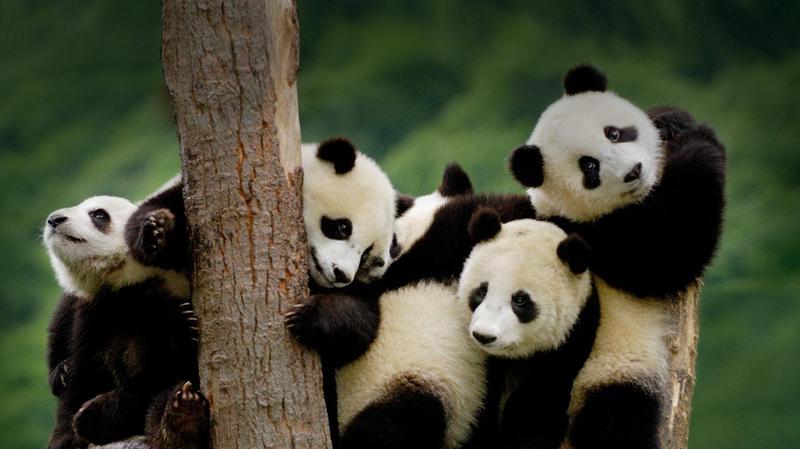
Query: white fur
x=86, y=259
x=523, y=256
x=413, y=224
x=423, y=332
x=365, y=196
x=630, y=345
x=571, y=128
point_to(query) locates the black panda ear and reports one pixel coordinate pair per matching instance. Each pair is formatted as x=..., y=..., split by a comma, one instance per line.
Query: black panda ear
x=340, y=152
x=527, y=165
x=584, y=78
x=403, y=203
x=670, y=121
x=575, y=252
x=455, y=181
x=484, y=224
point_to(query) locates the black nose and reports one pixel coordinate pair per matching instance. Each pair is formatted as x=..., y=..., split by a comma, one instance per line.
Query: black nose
x=634, y=174
x=55, y=220
x=340, y=276
x=484, y=339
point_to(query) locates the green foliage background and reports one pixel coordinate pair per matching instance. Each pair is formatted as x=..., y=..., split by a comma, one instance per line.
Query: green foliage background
x=416, y=84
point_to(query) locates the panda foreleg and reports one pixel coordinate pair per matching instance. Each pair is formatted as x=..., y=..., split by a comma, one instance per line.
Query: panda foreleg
x=618, y=416
x=339, y=326
x=409, y=416
x=535, y=415
x=156, y=233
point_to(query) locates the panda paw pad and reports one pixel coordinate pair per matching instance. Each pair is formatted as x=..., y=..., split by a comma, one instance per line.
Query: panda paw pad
x=300, y=320
x=187, y=407
x=157, y=225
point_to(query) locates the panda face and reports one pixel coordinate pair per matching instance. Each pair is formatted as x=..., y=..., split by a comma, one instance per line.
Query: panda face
x=523, y=289
x=86, y=243
x=348, y=208
x=590, y=153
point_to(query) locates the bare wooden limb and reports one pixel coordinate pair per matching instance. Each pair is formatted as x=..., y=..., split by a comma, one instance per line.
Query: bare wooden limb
x=683, y=355
x=230, y=67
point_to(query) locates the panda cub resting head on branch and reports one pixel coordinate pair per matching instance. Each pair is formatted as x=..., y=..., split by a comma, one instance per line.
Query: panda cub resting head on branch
x=121, y=350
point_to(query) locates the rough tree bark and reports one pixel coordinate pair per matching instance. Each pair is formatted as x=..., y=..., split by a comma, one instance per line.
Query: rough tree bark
x=230, y=67
x=682, y=347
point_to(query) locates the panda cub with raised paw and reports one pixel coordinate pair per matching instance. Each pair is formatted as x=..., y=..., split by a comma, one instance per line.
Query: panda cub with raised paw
x=119, y=341
x=646, y=192
x=535, y=312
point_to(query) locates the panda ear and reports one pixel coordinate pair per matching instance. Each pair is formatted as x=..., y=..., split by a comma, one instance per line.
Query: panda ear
x=527, y=165
x=584, y=78
x=575, y=252
x=484, y=224
x=340, y=152
x=455, y=181
x=403, y=203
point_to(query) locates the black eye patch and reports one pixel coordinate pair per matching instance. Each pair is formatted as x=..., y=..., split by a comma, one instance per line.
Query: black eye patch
x=590, y=167
x=338, y=229
x=100, y=219
x=524, y=308
x=621, y=135
x=373, y=261
x=478, y=295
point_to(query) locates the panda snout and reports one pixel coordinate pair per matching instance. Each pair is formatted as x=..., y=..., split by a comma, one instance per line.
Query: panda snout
x=483, y=338
x=634, y=174
x=340, y=277
x=55, y=219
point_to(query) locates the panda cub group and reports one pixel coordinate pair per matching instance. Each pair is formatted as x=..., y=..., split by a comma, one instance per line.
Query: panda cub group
x=450, y=320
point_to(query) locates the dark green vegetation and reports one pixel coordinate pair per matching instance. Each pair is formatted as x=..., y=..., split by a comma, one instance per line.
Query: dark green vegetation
x=418, y=83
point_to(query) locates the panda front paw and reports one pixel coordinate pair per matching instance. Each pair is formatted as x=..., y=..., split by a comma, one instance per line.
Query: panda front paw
x=155, y=228
x=303, y=321
x=59, y=378
x=187, y=411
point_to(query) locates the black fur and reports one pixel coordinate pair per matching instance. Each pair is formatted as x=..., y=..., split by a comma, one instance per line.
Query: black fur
x=409, y=416
x=123, y=347
x=662, y=244
x=617, y=416
x=178, y=419
x=584, y=78
x=527, y=165
x=535, y=413
x=484, y=225
x=404, y=203
x=575, y=252
x=455, y=181
x=59, y=342
x=157, y=233
x=340, y=152
x=670, y=121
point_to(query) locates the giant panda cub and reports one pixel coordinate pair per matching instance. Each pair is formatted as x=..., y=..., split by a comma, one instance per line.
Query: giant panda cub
x=647, y=194
x=120, y=347
x=420, y=383
x=535, y=312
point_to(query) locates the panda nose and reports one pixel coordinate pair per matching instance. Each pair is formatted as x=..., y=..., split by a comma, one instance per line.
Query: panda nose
x=55, y=220
x=340, y=276
x=483, y=338
x=634, y=174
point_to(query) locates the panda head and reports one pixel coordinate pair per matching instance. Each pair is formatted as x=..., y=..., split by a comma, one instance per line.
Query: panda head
x=87, y=247
x=349, y=208
x=590, y=153
x=526, y=282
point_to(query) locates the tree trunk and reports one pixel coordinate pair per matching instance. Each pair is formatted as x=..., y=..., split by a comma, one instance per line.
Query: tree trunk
x=230, y=67
x=682, y=348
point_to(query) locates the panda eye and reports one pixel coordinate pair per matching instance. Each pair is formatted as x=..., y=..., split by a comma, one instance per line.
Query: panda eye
x=478, y=295
x=612, y=133
x=100, y=218
x=589, y=165
x=366, y=254
x=524, y=308
x=336, y=229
